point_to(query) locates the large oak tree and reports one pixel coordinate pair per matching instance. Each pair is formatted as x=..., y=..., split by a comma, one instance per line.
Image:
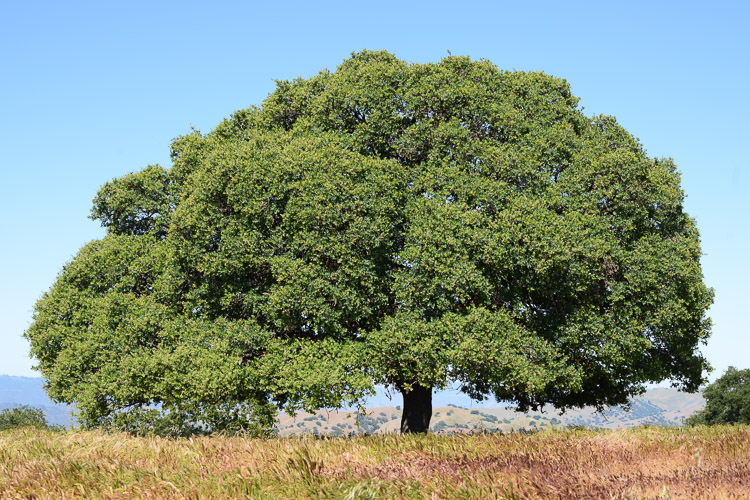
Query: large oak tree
x=413, y=225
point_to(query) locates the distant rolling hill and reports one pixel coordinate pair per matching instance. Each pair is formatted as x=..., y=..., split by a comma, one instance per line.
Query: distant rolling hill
x=19, y=391
x=23, y=390
x=666, y=407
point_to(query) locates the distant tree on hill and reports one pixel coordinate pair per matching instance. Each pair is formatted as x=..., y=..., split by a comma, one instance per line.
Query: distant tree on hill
x=24, y=416
x=727, y=400
x=410, y=225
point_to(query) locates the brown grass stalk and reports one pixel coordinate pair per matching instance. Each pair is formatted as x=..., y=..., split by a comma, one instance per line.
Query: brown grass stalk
x=698, y=462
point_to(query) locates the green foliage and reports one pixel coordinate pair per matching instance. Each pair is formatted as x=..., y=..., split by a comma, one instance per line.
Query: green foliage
x=137, y=203
x=394, y=223
x=24, y=416
x=727, y=400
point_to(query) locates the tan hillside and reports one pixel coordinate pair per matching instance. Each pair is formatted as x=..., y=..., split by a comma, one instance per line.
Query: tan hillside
x=664, y=407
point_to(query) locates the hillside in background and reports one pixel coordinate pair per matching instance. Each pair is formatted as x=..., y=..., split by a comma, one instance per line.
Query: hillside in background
x=666, y=407
x=19, y=391
x=23, y=390
x=663, y=407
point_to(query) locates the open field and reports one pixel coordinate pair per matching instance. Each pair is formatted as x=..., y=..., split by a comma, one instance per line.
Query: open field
x=639, y=463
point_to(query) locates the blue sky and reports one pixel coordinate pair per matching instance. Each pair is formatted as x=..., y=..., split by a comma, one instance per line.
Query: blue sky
x=92, y=91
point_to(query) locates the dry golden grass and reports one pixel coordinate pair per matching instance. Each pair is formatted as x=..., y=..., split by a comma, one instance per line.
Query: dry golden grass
x=641, y=463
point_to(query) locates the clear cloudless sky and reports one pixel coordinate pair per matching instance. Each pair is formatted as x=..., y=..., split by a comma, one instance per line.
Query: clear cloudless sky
x=91, y=91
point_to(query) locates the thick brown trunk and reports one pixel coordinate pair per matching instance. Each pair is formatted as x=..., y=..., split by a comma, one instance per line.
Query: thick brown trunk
x=417, y=410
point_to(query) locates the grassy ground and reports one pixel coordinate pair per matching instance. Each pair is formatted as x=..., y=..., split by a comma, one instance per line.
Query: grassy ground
x=640, y=463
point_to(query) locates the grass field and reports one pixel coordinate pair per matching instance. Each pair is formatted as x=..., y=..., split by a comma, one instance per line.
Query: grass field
x=640, y=463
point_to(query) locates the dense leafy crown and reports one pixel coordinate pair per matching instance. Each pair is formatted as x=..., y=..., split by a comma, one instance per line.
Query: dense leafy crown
x=24, y=416
x=727, y=400
x=385, y=223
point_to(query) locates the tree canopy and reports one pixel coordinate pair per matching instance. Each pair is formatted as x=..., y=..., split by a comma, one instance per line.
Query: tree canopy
x=412, y=225
x=727, y=400
x=24, y=416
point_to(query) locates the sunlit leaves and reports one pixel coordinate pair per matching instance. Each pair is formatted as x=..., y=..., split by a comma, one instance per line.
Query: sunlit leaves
x=387, y=222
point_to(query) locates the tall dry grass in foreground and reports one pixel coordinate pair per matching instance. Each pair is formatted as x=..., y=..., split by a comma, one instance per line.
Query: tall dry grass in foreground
x=642, y=463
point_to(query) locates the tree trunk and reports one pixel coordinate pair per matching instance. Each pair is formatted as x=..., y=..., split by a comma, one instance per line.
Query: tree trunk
x=417, y=410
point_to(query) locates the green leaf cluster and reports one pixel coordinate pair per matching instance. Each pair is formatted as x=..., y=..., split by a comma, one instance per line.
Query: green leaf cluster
x=727, y=400
x=24, y=416
x=385, y=223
